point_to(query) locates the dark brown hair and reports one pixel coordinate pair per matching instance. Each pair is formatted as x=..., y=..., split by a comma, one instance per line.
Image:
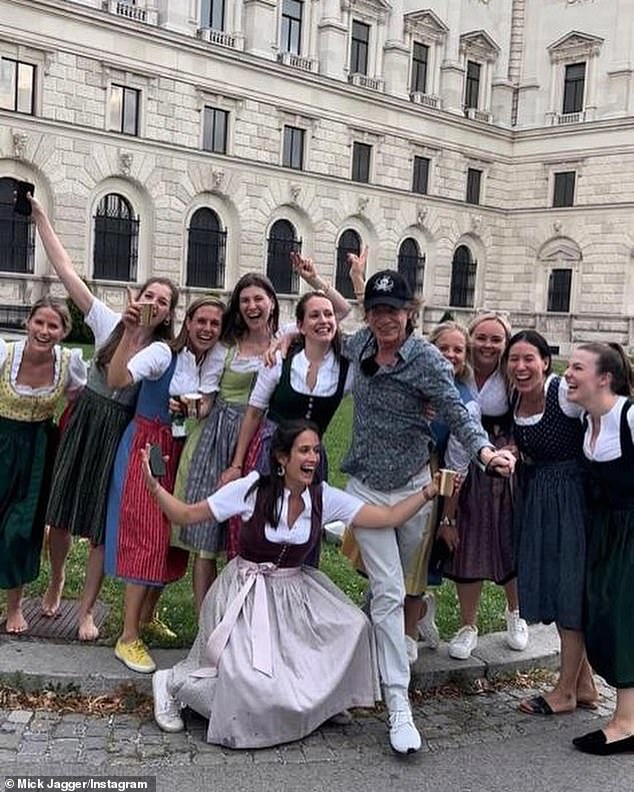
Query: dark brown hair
x=164, y=331
x=202, y=302
x=300, y=314
x=234, y=327
x=536, y=340
x=611, y=359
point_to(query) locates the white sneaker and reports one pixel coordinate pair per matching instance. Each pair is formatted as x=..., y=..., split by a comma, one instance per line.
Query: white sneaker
x=427, y=626
x=167, y=712
x=412, y=650
x=463, y=642
x=404, y=736
x=516, y=631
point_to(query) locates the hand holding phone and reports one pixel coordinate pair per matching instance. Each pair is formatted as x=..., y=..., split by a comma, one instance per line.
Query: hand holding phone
x=157, y=463
x=22, y=204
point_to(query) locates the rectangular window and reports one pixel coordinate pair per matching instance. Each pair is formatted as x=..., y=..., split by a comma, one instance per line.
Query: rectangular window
x=359, y=47
x=472, y=85
x=292, y=11
x=17, y=86
x=559, y=284
x=212, y=14
x=361, y=154
x=474, y=181
x=574, y=85
x=293, y=149
x=420, y=59
x=564, y=188
x=421, y=175
x=124, y=110
x=215, y=125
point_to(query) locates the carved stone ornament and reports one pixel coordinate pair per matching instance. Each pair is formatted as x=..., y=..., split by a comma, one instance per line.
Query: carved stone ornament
x=362, y=203
x=20, y=140
x=125, y=163
x=557, y=226
x=476, y=222
x=294, y=190
x=421, y=216
x=217, y=177
x=573, y=46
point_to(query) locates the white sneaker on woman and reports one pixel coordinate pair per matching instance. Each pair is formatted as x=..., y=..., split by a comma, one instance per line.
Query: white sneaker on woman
x=516, y=631
x=404, y=736
x=427, y=626
x=463, y=642
x=167, y=711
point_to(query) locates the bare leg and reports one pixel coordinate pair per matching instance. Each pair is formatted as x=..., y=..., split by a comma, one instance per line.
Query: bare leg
x=87, y=629
x=134, y=599
x=512, y=600
x=563, y=697
x=59, y=542
x=622, y=723
x=587, y=693
x=16, y=623
x=413, y=613
x=204, y=573
x=469, y=598
x=152, y=595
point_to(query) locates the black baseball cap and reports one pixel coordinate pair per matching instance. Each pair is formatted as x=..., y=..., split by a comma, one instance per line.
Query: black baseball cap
x=387, y=287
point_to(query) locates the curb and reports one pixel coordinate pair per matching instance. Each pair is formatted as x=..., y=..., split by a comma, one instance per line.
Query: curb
x=93, y=670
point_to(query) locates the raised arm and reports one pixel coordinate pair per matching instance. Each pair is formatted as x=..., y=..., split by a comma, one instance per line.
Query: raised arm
x=59, y=258
x=358, y=266
x=306, y=269
x=370, y=516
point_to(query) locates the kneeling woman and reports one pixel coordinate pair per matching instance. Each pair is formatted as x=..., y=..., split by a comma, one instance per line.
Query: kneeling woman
x=280, y=649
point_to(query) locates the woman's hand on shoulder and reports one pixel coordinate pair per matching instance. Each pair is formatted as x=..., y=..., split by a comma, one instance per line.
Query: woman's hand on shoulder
x=232, y=473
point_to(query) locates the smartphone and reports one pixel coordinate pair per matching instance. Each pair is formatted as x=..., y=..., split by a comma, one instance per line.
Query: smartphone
x=157, y=463
x=22, y=204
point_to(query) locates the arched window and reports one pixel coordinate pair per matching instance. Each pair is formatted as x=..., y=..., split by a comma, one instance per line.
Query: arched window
x=205, y=250
x=116, y=239
x=281, y=242
x=411, y=264
x=463, y=277
x=349, y=242
x=17, y=233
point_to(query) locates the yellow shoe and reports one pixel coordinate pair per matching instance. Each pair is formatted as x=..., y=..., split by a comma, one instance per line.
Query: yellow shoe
x=135, y=656
x=157, y=630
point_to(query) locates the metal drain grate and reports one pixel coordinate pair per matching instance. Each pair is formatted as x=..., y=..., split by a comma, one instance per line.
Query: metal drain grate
x=61, y=628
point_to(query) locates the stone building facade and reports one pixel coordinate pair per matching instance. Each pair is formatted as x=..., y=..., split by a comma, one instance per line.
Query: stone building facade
x=485, y=147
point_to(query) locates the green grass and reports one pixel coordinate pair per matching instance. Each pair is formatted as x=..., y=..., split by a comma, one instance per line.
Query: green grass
x=176, y=608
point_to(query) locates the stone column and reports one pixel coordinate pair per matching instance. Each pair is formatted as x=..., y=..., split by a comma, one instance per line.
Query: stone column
x=332, y=45
x=396, y=54
x=260, y=18
x=181, y=17
x=452, y=68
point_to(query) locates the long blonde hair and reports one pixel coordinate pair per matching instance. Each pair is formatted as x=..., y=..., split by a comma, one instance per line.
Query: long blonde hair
x=450, y=326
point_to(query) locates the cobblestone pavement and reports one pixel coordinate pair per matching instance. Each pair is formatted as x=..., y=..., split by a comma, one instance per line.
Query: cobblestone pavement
x=447, y=723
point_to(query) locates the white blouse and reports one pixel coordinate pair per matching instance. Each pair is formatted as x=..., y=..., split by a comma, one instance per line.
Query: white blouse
x=608, y=444
x=154, y=360
x=77, y=370
x=326, y=385
x=102, y=321
x=230, y=500
x=493, y=395
x=568, y=408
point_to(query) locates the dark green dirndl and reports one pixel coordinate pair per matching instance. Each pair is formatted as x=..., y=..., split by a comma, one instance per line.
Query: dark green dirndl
x=84, y=462
x=26, y=457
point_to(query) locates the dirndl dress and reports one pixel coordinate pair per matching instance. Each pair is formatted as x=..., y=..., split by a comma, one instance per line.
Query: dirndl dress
x=550, y=516
x=28, y=440
x=137, y=532
x=280, y=649
x=87, y=449
x=609, y=603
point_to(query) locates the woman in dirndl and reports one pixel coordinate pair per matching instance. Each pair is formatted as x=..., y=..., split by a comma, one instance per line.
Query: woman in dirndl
x=280, y=649
x=81, y=474
x=600, y=379
x=550, y=516
x=35, y=374
x=484, y=518
x=137, y=534
x=250, y=322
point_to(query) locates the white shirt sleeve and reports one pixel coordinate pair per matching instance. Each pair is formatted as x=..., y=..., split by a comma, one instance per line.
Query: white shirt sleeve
x=339, y=505
x=347, y=388
x=569, y=408
x=212, y=368
x=456, y=456
x=150, y=363
x=229, y=500
x=3, y=353
x=77, y=372
x=102, y=321
x=186, y=377
x=265, y=384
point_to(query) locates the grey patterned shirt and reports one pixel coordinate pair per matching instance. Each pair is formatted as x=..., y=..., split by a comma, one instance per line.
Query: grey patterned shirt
x=391, y=438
